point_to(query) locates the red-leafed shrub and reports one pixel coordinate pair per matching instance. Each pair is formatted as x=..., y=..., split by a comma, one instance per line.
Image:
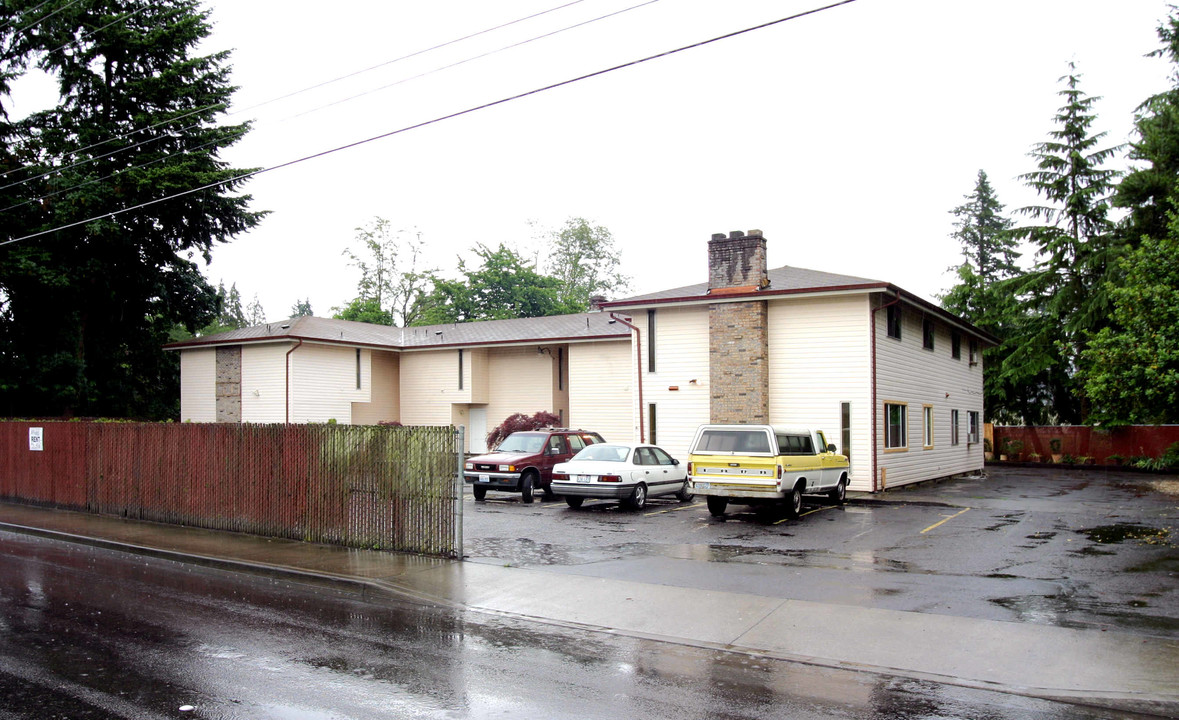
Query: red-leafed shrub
x=520, y=423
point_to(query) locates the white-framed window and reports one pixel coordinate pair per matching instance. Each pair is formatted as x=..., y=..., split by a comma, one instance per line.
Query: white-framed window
x=972, y=428
x=845, y=429
x=927, y=426
x=954, y=423
x=357, y=368
x=956, y=345
x=927, y=334
x=652, y=423
x=896, y=426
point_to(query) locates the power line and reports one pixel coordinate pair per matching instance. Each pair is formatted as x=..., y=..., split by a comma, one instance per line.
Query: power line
x=477, y=57
x=265, y=102
x=41, y=19
x=116, y=151
x=434, y=121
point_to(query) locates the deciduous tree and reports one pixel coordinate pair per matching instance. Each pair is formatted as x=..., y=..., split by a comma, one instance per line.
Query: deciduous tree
x=584, y=259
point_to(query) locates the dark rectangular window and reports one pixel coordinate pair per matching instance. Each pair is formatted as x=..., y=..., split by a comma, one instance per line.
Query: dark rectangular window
x=927, y=334
x=845, y=429
x=954, y=427
x=972, y=428
x=650, y=341
x=894, y=321
x=357, y=368
x=956, y=345
x=461, y=370
x=651, y=420
x=560, y=368
x=973, y=352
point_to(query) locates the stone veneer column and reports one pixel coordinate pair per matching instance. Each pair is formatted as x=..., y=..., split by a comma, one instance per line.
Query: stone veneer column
x=229, y=384
x=738, y=338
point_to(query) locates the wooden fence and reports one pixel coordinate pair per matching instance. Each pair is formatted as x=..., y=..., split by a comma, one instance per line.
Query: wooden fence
x=391, y=488
x=1150, y=441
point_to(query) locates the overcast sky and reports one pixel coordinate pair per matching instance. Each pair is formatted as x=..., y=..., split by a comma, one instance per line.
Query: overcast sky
x=845, y=136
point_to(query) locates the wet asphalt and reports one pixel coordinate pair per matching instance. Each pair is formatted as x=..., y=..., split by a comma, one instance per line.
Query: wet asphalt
x=94, y=633
x=1067, y=548
x=1005, y=579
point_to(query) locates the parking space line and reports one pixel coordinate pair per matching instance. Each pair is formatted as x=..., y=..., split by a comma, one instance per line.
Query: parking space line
x=943, y=521
x=681, y=507
x=808, y=512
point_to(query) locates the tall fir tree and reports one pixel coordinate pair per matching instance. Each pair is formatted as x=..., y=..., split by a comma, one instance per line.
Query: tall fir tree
x=1064, y=295
x=989, y=257
x=89, y=303
x=1150, y=190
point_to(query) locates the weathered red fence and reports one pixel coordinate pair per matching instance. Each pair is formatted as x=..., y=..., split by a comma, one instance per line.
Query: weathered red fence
x=362, y=486
x=1134, y=441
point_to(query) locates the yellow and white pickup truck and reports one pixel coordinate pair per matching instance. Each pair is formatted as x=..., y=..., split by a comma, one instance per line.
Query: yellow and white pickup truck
x=764, y=465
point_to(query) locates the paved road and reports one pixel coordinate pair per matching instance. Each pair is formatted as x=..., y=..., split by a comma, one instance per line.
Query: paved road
x=91, y=633
x=1068, y=548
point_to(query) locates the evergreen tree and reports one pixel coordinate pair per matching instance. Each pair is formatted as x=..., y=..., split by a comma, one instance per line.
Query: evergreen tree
x=1064, y=295
x=89, y=304
x=302, y=308
x=989, y=258
x=1150, y=191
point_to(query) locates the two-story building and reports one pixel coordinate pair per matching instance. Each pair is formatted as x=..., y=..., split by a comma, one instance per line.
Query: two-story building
x=893, y=378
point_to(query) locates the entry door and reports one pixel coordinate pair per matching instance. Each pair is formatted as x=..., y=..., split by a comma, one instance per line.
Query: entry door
x=477, y=433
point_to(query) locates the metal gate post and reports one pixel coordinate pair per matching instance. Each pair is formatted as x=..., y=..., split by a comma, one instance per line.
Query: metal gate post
x=460, y=434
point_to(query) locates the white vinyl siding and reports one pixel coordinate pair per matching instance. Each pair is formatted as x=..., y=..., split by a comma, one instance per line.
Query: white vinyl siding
x=908, y=373
x=600, y=382
x=519, y=379
x=681, y=348
x=429, y=386
x=385, y=401
x=323, y=382
x=264, y=382
x=198, y=385
x=819, y=354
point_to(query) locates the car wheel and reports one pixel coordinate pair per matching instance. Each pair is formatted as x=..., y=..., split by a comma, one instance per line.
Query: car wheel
x=794, y=502
x=839, y=494
x=574, y=502
x=638, y=499
x=685, y=493
x=717, y=505
x=526, y=484
x=480, y=492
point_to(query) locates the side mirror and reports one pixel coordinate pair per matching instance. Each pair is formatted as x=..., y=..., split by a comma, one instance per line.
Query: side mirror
x=675, y=462
x=830, y=447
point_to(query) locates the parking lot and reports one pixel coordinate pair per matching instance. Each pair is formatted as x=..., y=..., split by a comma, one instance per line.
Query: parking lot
x=1066, y=547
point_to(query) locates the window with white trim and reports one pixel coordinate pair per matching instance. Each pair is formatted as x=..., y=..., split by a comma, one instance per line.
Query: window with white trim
x=927, y=426
x=972, y=426
x=954, y=420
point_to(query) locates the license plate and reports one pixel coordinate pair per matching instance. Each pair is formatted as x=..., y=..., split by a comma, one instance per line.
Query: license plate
x=582, y=478
x=484, y=478
x=703, y=486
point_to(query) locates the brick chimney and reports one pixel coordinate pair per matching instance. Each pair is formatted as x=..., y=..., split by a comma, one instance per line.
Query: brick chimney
x=738, y=353
x=737, y=260
x=596, y=303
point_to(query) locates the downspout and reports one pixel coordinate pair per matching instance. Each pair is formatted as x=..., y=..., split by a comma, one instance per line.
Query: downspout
x=288, y=362
x=638, y=368
x=875, y=454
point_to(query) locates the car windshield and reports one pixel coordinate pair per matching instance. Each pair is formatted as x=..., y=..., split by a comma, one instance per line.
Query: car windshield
x=609, y=453
x=523, y=442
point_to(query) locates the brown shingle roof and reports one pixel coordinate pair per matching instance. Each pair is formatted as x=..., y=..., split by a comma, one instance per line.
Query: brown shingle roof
x=557, y=328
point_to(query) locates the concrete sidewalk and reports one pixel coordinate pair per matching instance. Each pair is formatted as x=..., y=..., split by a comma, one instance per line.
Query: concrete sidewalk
x=1117, y=670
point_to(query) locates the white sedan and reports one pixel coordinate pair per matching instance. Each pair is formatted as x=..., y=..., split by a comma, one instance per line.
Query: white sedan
x=620, y=471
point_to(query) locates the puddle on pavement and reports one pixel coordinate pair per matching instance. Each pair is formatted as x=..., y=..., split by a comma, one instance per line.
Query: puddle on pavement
x=1120, y=532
